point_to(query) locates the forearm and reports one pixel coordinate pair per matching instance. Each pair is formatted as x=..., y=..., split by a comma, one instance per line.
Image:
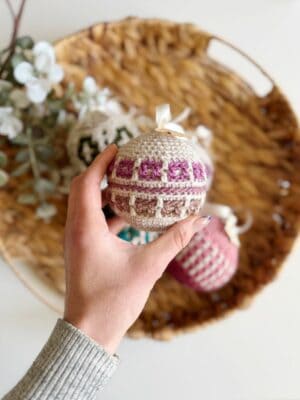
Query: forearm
x=70, y=366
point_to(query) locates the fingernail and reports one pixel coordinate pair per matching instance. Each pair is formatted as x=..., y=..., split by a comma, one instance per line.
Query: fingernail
x=111, y=146
x=202, y=222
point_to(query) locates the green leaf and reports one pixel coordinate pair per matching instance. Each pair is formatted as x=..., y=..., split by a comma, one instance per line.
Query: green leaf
x=55, y=105
x=55, y=176
x=5, y=85
x=3, y=178
x=44, y=185
x=44, y=152
x=43, y=167
x=25, y=42
x=46, y=211
x=17, y=59
x=3, y=97
x=69, y=91
x=22, y=155
x=20, y=140
x=22, y=169
x=3, y=159
x=27, y=198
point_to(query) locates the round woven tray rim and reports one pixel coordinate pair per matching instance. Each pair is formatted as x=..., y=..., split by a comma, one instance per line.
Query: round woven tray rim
x=166, y=333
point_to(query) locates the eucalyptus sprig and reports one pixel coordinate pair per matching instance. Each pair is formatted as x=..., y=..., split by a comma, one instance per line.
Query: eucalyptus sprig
x=7, y=53
x=33, y=116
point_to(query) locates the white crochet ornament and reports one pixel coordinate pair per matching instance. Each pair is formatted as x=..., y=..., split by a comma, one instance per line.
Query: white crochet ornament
x=96, y=131
x=157, y=178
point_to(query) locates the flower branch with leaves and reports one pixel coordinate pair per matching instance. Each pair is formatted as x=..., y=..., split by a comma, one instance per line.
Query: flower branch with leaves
x=33, y=116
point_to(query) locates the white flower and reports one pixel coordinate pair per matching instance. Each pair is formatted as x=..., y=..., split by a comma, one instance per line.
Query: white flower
x=10, y=126
x=40, y=76
x=90, y=86
x=93, y=98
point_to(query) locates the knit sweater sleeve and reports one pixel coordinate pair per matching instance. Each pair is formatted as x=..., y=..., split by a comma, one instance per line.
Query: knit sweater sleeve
x=70, y=366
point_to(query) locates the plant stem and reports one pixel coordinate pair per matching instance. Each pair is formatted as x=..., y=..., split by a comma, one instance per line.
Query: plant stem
x=3, y=51
x=10, y=7
x=34, y=162
x=16, y=25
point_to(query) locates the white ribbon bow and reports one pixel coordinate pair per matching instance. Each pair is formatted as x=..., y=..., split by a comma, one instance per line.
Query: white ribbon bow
x=164, y=120
x=230, y=220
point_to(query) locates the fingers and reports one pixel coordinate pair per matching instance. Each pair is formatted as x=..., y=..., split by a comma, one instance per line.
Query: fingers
x=104, y=199
x=166, y=247
x=99, y=166
x=116, y=224
x=85, y=194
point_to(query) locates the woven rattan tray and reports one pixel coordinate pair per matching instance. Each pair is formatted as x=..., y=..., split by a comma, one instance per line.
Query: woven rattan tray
x=256, y=150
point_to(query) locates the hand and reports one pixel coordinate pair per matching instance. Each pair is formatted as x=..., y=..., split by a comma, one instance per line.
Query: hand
x=109, y=280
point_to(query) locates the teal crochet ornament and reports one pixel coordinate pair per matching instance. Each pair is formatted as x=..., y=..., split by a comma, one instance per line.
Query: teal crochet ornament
x=137, y=237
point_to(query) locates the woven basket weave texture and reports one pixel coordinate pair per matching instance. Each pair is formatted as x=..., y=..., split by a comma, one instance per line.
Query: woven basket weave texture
x=256, y=153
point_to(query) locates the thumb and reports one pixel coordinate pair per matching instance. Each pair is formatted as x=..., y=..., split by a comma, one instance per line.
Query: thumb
x=175, y=239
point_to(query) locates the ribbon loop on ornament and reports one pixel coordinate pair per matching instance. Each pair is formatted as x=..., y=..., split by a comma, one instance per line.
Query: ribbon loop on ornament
x=164, y=121
x=204, y=134
x=230, y=220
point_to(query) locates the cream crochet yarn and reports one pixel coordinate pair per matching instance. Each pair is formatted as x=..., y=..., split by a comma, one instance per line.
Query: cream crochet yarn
x=157, y=179
x=209, y=261
x=96, y=131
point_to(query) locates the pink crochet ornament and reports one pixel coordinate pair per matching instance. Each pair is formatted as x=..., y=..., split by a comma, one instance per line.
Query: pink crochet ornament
x=210, y=260
x=157, y=178
x=207, y=161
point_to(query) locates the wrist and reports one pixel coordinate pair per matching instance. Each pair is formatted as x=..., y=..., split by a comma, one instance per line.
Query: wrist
x=96, y=331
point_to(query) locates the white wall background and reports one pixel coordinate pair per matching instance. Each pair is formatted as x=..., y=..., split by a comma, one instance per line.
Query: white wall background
x=254, y=354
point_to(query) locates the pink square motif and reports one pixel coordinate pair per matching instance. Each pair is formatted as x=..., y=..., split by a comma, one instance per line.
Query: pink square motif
x=111, y=167
x=125, y=168
x=198, y=171
x=150, y=170
x=178, y=171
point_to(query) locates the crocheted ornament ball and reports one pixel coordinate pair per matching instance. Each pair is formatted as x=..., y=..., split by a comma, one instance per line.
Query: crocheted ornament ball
x=96, y=131
x=201, y=137
x=130, y=234
x=156, y=180
x=209, y=261
x=137, y=237
x=208, y=163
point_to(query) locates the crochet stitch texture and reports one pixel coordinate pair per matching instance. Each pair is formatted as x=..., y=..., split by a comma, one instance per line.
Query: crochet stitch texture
x=209, y=261
x=156, y=180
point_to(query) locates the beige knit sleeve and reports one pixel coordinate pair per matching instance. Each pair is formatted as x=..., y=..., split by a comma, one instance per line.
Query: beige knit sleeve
x=70, y=366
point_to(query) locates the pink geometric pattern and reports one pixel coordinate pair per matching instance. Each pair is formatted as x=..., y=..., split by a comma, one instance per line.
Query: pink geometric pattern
x=156, y=175
x=178, y=171
x=122, y=203
x=125, y=168
x=198, y=171
x=158, y=190
x=145, y=206
x=208, y=170
x=208, y=262
x=150, y=170
x=111, y=167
